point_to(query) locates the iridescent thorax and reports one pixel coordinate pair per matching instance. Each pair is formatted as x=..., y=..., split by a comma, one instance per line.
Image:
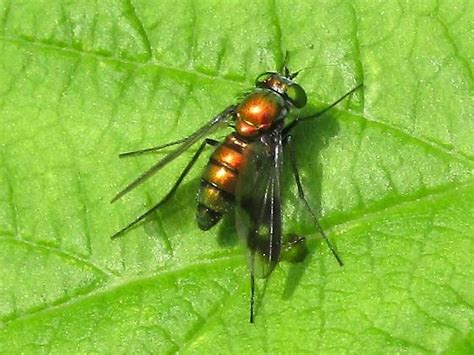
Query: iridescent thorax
x=258, y=111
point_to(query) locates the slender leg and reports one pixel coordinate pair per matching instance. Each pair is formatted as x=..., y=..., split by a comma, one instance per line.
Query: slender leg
x=301, y=194
x=152, y=149
x=171, y=192
x=252, y=286
x=296, y=121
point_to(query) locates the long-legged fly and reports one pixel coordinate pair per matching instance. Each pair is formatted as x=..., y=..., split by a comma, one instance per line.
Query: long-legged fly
x=244, y=171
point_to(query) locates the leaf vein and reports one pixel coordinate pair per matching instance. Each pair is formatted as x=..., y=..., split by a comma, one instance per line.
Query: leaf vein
x=113, y=286
x=434, y=146
x=371, y=213
x=101, y=57
x=141, y=28
x=76, y=258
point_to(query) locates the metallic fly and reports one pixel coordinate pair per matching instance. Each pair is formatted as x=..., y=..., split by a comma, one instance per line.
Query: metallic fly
x=244, y=171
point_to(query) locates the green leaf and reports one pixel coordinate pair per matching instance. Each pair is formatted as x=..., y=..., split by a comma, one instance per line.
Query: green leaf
x=390, y=172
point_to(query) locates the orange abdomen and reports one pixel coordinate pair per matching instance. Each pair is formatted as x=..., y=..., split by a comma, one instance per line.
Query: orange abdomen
x=217, y=190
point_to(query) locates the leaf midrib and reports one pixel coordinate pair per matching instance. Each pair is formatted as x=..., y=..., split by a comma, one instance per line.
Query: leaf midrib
x=116, y=283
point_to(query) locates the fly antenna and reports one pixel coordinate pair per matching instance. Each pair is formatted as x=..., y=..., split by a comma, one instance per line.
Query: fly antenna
x=284, y=69
x=295, y=74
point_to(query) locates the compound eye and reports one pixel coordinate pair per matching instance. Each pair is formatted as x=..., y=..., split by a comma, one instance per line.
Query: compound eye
x=296, y=95
x=262, y=78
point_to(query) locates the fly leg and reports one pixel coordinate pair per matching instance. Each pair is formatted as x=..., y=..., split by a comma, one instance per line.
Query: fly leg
x=252, y=286
x=296, y=121
x=172, y=191
x=301, y=195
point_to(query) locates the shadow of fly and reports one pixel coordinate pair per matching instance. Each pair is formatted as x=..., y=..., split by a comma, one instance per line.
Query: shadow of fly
x=244, y=172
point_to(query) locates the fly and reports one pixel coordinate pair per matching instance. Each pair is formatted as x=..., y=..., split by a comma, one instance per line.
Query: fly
x=244, y=172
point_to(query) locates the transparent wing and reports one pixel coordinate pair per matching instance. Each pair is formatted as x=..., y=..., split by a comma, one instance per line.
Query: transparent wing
x=258, y=208
x=217, y=122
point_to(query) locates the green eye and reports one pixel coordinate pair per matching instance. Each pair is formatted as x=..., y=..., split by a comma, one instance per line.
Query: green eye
x=296, y=95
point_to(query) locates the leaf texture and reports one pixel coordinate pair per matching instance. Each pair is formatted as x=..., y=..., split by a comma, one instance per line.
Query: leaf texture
x=390, y=172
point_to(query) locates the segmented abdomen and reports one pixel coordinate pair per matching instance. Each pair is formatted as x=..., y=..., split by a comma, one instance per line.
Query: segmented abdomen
x=216, y=193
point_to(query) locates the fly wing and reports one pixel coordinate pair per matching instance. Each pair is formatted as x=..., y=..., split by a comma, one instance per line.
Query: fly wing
x=258, y=209
x=218, y=121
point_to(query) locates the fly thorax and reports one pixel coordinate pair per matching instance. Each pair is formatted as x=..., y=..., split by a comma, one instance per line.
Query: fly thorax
x=258, y=111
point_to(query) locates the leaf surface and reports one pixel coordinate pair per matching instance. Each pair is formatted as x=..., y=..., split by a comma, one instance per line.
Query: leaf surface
x=389, y=171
